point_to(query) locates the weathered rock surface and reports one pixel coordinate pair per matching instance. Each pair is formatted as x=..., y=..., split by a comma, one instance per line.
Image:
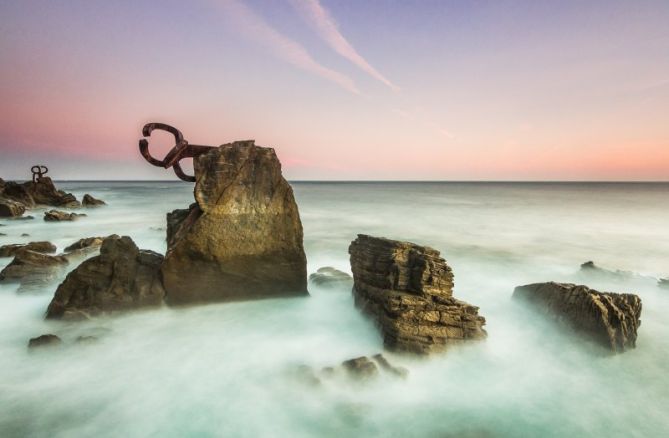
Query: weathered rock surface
x=242, y=239
x=87, y=243
x=11, y=250
x=11, y=208
x=609, y=319
x=44, y=341
x=42, y=192
x=33, y=267
x=408, y=290
x=90, y=201
x=331, y=277
x=60, y=216
x=121, y=278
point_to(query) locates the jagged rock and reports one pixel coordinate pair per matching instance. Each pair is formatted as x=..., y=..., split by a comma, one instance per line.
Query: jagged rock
x=408, y=290
x=243, y=237
x=89, y=201
x=609, y=319
x=18, y=193
x=387, y=366
x=591, y=268
x=330, y=277
x=360, y=367
x=87, y=243
x=11, y=208
x=30, y=267
x=60, y=216
x=121, y=278
x=44, y=341
x=42, y=192
x=11, y=250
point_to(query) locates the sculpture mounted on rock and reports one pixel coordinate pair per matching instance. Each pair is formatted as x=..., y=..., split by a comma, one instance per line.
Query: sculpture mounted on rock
x=242, y=238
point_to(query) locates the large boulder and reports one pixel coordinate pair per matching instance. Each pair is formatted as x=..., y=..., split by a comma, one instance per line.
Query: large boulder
x=609, y=319
x=121, y=278
x=11, y=208
x=242, y=239
x=12, y=249
x=408, y=290
x=32, y=268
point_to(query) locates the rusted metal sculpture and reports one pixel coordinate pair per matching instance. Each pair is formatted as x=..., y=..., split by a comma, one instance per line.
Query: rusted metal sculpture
x=180, y=150
x=39, y=170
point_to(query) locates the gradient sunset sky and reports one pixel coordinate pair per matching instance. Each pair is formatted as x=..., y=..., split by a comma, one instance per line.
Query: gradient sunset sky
x=380, y=89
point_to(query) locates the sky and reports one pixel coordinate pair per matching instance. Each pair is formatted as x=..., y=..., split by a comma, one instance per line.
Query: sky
x=343, y=90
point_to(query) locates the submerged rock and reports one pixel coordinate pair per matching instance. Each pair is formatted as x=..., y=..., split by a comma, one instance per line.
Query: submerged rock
x=89, y=201
x=242, y=239
x=663, y=283
x=122, y=277
x=33, y=267
x=44, y=341
x=331, y=277
x=387, y=366
x=60, y=216
x=43, y=247
x=609, y=319
x=10, y=208
x=360, y=368
x=408, y=290
x=591, y=268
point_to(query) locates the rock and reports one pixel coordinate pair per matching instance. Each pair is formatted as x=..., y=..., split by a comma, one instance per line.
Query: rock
x=360, y=368
x=87, y=243
x=42, y=192
x=30, y=267
x=86, y=340
x=59, y=216
x=387, y=366
x=242, y=239
x=10, y=208
x=591, y=269
x=121, y=278
x=43, y=247
x=664, y=283
x=609, y=319
x=89, y=201
x=331, y=277
x=44, y=341
x=18, y=193
x=25, y=235
x=2, y=234
x=21, y=218
x=407, y=289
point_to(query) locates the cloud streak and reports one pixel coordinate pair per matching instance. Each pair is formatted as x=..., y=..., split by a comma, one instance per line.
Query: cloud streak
x=283, y=47
x=321, y=20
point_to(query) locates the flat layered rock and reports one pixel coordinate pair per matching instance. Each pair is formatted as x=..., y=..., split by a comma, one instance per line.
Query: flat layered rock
x=121, y=278
x=33, y=267
x=609, y=319
x=42, y=246
x=242, y=239
x=407, y=289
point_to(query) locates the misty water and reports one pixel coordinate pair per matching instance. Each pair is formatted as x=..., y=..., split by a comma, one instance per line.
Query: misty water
x=229, y=369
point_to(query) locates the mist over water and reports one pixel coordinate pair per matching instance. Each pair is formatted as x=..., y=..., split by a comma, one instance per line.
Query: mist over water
x=228, y=369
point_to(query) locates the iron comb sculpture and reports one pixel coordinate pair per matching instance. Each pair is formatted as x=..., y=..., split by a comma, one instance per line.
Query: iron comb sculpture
x=39, y=170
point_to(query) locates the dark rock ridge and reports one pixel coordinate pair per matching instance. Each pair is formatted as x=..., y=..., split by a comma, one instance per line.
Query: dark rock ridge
x=89, y=201
x=11, y=250
x=330, y=277
x=31, y=267
x=408, y=290
x=42, y=192
x=242, y=239
x=359, y=368
x=44, y=341
x=591, y=268
x=61, y=216
x=609, y=319
x=121, y=278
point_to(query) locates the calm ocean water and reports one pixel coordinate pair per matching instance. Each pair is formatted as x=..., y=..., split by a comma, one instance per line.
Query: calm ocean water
x=225, y=369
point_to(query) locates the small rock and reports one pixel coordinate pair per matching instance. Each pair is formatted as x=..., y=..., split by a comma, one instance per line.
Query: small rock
x=330, y=277
x=86, y=339
x=32, y=267
x=2, y=234
x=664, y=283
x=85, y=243
x=25, y=235
x=387, y=366
x=43, y=247
x=360, y=367
x=44, y=341
x=59, y=216
x=10, y=208
x=89, y=201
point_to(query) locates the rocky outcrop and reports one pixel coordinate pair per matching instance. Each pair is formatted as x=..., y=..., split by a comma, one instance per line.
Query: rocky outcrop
x=609, y=319
x=357, y=369
x=89, y=201
x=44, y=341
x=408, y=290
x=42, y=192
x=360, y=368
x=31, y=267
x=242, y=239
x=121, y=278
x=331, y=278
x=85, y=244
x=11, y=250
x=11, y=208
x=61, y=216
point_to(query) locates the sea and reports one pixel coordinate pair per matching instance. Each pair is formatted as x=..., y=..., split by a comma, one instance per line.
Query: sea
x=229, y=369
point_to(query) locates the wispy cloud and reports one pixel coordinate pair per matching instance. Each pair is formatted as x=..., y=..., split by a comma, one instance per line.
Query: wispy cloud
x=256, y=28
x=321, y=20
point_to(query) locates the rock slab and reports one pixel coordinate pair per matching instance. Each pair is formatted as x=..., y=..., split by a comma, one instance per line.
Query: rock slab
x=242, y=239
x=32, y=267
x=121, y=278
x=609, y=319
x=408, y=290
x=12, y=249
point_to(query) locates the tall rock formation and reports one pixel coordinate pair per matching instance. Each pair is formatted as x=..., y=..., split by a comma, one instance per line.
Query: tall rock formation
x=242, y=238
x=609, y=319
x=408, y=289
